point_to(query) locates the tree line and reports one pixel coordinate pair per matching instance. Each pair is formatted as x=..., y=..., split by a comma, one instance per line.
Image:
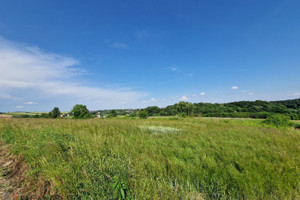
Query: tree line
x=241, y=109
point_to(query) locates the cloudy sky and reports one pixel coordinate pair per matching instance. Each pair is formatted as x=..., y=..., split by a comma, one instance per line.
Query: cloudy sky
x=132, y=54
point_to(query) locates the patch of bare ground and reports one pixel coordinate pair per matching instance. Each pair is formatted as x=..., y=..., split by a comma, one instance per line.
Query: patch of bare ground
x=14, y=183
x=12, y=174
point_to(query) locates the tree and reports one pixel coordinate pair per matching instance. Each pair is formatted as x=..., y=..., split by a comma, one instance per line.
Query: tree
x=81, y=112
x=143, y=114
x=153, y=110
x=185, y=107
x=112, y=113
x=55, y=113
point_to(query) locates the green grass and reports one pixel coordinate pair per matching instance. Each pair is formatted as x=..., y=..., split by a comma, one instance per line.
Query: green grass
x=159, y=158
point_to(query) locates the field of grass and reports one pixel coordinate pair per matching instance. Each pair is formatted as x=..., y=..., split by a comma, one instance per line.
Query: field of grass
x=159, y=158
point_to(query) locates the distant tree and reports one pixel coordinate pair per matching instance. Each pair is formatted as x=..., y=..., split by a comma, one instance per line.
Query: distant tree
x=143, y=114
x=185, y=107
x=55, y=113
x=153, y=110
x=112, y=113
x=81, y=112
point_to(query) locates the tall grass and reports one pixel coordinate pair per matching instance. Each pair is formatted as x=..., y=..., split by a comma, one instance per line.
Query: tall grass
x=210, y=158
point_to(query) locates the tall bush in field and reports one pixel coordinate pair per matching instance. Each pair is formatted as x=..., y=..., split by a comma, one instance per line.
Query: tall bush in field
x=81, y=112
x=278, y=120
x=143, y=114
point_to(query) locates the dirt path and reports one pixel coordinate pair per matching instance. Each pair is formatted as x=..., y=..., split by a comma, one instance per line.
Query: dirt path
x=12, y=174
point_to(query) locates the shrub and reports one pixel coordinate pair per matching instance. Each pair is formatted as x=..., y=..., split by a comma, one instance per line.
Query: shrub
x=132, y=115
x=112, y=114
x=183, y=115
x=296, y=126
x=278, y=120
x=143, y=114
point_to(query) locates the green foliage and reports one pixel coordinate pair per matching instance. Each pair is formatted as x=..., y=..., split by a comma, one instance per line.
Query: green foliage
x=241, y=109
x=55, y=113
x=112, y=158
x=132, y=115
x=81, y=112
x=278, y=121
x=45, y=115
x=112, y=113
x=143, y=114
x=121, y=190
x=185, y=107
x=297, y=126
x=153, y=110
x=183, y=115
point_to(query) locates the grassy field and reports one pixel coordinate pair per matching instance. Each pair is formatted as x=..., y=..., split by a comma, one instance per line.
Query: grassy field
x=159, y=158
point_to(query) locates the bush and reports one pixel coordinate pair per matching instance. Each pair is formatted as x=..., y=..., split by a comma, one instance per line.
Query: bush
x=296, y=126
x=132, y=115
x=183, y=115
x=112, y=114
x=278, y=120
x=143, y=114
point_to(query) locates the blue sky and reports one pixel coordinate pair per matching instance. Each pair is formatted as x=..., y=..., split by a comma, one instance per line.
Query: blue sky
x=132, y=54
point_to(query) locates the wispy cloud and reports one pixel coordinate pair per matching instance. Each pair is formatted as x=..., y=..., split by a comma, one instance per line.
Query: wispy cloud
x=141, y=34
x=149, y=100
x=119, y=45
x=234, y=87
x=52, y=79
x=174, y=69
x=19, y=106
x=202, y=93
x=30, y=103
x=184, y=98
x=251, y=93
x=297, y=93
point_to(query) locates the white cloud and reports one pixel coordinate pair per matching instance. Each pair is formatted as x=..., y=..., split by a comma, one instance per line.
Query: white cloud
x=297, y=93
x=234, y=88
x=52, y=79
x=19, y=106
x=202, y=93
x=194, y=95
x=251, y=93
x=149, y=100
x=184, y=98
x=119, y=45
x=30, y=103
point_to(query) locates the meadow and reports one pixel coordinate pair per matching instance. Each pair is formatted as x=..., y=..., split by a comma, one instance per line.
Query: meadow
x=157, y=158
